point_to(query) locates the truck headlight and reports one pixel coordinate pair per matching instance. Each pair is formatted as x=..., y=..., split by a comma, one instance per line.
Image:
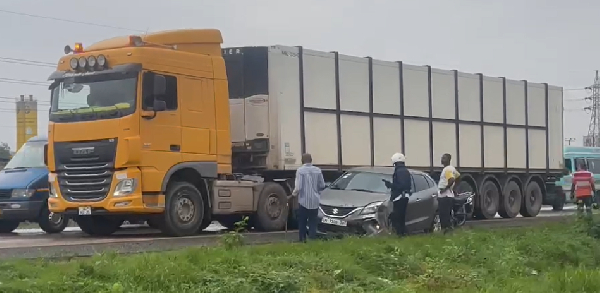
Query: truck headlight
x=125, y=187
x=22, y=193
x=371, y=208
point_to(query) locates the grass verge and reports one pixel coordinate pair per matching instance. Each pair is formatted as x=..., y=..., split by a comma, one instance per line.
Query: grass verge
x=556, y=258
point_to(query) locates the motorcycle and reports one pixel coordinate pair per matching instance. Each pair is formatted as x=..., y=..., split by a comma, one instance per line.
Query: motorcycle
x=462, y=208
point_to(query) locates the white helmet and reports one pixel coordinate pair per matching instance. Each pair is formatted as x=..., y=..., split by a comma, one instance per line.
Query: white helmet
x=397, y=157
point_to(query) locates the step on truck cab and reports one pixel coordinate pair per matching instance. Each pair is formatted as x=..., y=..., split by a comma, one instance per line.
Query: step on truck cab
x=139, y=129
x=24, y=190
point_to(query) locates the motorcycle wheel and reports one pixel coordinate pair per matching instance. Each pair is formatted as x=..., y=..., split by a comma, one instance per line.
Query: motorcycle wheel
x=461, y=219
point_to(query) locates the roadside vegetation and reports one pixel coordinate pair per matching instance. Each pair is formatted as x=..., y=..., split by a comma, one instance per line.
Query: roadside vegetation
x=556, y=258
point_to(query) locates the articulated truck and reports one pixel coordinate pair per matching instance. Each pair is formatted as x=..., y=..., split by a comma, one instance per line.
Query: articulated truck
x=171, y=128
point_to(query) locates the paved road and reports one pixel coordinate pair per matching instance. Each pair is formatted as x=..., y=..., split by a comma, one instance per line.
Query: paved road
x=31, y=243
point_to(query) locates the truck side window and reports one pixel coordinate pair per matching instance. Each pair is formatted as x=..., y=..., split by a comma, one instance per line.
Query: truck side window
x=170, y=96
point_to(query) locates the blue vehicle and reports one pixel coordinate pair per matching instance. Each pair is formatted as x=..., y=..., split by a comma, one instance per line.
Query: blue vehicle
x=24, y=190
x=573, y=156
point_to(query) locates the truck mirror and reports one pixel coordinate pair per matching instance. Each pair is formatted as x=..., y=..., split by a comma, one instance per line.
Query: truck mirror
x=160, y=85
x=159, y=106
x=46, y=154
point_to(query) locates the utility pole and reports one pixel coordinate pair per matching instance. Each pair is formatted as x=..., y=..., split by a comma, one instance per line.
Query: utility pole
x=593, y=137
x=569, y=140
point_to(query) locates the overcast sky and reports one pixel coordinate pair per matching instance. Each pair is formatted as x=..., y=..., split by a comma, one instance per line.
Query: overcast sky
x=539, y=40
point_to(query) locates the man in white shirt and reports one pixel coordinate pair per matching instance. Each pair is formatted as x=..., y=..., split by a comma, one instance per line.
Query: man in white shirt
x=446, y=195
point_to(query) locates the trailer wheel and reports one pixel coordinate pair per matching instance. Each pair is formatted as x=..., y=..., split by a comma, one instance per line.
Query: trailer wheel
x=184, y=210
x=510, y=203
x=98, y=225
x=8, y=226
x=488, y=201
x=52, y=223
x=272, y=213
x=532, y=200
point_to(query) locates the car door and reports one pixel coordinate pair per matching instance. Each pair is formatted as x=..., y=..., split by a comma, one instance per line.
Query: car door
x=416, y=203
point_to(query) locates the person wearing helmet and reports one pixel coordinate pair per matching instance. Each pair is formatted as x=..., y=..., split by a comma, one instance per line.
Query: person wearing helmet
x=400, y=187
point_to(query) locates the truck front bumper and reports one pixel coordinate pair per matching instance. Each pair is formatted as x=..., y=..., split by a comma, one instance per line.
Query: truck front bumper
x=20, y=210
x=135, y=202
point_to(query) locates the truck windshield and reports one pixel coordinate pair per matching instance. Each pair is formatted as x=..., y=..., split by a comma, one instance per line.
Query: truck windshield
x=31, y=155
x=102, y=96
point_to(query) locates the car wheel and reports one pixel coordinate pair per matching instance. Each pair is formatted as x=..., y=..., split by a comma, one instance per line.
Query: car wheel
x=436, y=225
x=52, y=223
x=8, y=226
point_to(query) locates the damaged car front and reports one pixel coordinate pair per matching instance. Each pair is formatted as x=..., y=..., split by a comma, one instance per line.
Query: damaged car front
x=349, y=205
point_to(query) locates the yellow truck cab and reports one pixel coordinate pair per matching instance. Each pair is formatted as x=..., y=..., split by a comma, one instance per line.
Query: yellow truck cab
x=140, y=129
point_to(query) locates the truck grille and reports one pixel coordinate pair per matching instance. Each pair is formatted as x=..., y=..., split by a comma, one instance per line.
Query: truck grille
x=85, y=182
x=341, y=211
x=85, y=169
x=5, y=193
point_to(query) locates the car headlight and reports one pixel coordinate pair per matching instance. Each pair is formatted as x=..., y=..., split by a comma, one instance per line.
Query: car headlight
x=22, y=193
x=125, y=187
x=371, y=208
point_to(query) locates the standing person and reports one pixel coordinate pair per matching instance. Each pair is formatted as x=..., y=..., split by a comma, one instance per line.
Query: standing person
x=583, y=188
x=308, y=187
x=446, y=197
x=400, y=190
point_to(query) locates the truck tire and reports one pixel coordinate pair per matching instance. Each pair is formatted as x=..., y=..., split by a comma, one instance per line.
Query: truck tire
x=559, y=202
x=184, y=210
x=272, y=211
x=488, y=202
x=532, y=200
x=510, y=202
x=52, y=223
x=98, y=225
x=8, y=226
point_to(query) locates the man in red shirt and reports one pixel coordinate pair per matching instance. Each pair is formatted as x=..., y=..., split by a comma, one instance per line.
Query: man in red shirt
x=583, y=188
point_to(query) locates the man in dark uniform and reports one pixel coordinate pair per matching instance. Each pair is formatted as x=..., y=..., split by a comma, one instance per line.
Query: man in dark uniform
x=400, y=190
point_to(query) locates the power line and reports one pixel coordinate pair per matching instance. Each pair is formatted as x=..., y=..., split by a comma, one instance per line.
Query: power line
x=23, y=81
x=27, y=62
x=69, y=21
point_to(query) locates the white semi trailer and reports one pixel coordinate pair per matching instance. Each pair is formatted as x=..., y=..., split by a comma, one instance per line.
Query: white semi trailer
x=505, y=136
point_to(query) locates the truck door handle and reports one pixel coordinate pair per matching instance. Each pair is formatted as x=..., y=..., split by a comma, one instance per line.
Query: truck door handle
x=175, y=147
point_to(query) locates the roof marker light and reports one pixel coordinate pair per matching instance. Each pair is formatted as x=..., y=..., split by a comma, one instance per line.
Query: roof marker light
x=78, y=48
x=136, y=41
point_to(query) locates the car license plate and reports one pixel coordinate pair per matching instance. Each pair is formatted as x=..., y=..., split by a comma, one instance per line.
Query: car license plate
x=85, y=211
x=336, y=222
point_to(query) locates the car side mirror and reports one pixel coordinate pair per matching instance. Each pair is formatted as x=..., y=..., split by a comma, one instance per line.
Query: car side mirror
x=160, y=85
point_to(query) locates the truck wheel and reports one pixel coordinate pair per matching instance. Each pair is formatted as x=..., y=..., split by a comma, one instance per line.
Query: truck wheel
x=52, y=223
x=532, y=201
x=8, y=226
x=98, y=225
x=559, y=202
x=272, y=213
x=488, y=201
x=184, y=210
x=510, y=202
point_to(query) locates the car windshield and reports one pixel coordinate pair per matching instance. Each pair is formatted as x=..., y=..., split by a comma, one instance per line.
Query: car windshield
x=362, y=181
x=31, y=155
x=101, y=96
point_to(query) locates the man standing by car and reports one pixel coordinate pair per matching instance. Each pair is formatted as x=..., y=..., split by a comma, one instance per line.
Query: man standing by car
x=446, y=197
x=308, y=186
x=400, y=190
x=583, y=188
